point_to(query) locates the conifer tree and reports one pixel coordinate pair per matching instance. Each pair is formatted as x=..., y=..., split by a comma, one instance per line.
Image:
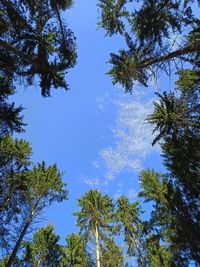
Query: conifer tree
x=128, y=218
x=24, y=202
x=176, y=120
x=35, y=42
x=158, y=34
x=75, y=253
x=10, y=118
x=160, y=231
x=162, y=36
x=111, y=254
x=43, y=250
x=95, y=219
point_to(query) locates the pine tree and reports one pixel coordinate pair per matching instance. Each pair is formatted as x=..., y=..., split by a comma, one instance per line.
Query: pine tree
x=10, y=118
x=162, y=36
x=150, y=30
x=43, y=250
x=128, y=217
x=14, y=162
x=35, y=42
x=160, y=229
x=75, y=253
x=176, y=120
x=111, y=254
x=95, y=219
x=23, y=204
x=35, y=46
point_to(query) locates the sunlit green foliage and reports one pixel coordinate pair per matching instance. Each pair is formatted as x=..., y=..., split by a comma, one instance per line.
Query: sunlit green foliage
x=130, y=225
x=95, y=219
x=159, y=230
x=44, y=249
x=111, y=254
x=155, y=33
x=75, y=253
x=25, y=193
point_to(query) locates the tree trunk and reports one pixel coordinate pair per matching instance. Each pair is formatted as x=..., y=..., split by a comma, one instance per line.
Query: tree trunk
x=177, y=53
x=138, y=250
x=18, y=243
x=97, y=246
x=23, y=232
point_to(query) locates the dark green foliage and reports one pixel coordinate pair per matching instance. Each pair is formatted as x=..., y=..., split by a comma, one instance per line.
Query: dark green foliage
x=25, y=193
x=112, y=11
x=10, y=118
x=174, y=114
x=130, y=225
x=174, y=226
x=176, y=120
x=61, y=4
x=152, y=21
x=74, y=253
x=44, y=249
x=158, y=236
x=35, y=42
x=148, y=29
x=182, y=159
x=189, y=86
x=126, y=68
x=34, y=45
x=111, y=254
x=161, y=16
x=157, y=254
x=14, y=162
x=179, y=117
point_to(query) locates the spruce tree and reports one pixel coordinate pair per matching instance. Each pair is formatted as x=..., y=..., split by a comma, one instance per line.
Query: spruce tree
x=44, y=249
x=150, y=30
x=95, y=219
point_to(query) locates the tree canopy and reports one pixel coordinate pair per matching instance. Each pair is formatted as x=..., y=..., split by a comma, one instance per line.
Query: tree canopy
x=35, y=42
x=159, y=35
x=36, y=46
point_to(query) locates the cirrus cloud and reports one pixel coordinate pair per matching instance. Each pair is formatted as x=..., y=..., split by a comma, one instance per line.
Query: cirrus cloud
x=132, y=137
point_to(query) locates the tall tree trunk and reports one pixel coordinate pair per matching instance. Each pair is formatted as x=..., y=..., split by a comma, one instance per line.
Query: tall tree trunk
x=23, y=232
x=138, y=251
x=97, y=246
x=18, y=243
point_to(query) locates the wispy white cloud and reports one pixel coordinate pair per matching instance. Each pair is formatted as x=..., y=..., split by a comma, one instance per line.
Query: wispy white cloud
x=132, y=135
x=94, y=182
x=102, y=101
x=131, y=140
x=91, y=181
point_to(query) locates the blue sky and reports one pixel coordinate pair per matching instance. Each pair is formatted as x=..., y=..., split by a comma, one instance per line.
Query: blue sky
x=94, y=132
